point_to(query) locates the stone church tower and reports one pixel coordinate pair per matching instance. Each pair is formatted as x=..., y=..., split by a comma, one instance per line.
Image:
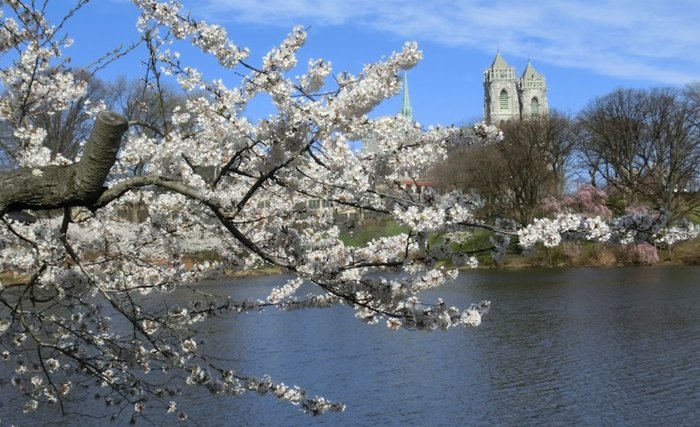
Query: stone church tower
x=507, y=98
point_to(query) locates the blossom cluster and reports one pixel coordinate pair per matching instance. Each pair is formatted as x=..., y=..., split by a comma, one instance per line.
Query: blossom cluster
x=632, y=228
x=587, y=200
x=551, y=231
x=210, y=38
x=678, y=233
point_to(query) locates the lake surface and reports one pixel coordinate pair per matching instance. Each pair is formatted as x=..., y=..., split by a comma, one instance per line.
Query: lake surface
x=616, y=346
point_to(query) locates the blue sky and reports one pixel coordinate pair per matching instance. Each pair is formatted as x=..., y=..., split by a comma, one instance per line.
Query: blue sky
x=584, y=48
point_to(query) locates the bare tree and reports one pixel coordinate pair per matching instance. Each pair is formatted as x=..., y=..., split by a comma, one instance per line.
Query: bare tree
x=147, y=105
x=67, y=129
x=478, y=169
x=514, y=175
x=645, y=144
x=8, y=145
x=536, y=154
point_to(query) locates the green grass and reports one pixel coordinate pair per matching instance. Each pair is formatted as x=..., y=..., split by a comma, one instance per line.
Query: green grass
x=371, y=229
x=382, y=227
x=476, y=243
x=686, y=253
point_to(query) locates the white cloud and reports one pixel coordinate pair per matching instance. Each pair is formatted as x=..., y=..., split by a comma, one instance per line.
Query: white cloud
x=643, y=39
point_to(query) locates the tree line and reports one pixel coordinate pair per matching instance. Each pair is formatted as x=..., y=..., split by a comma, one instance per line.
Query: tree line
x=640, y=146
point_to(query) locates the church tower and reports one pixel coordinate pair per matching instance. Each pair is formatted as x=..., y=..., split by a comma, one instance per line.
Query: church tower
x=533, y=94
x=500, y=92
x=507, y=98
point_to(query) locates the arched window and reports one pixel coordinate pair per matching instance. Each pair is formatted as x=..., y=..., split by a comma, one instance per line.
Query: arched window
x=503, y=98
x=535, y=107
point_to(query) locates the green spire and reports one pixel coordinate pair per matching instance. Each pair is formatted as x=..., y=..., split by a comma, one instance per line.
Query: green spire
x=406, y=109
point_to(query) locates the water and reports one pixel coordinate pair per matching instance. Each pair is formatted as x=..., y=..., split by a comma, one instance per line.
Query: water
x=559, y=347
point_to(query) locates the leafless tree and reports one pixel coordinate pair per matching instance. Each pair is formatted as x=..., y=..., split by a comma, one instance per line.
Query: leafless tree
x=536, y=154
x=8, y=145
x=515, y=174
x=478, y=169
x=645, y=144
x=66, y=129
x=145, y=104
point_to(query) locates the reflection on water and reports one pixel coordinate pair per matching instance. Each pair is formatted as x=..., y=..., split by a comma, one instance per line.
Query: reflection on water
x=560, y=347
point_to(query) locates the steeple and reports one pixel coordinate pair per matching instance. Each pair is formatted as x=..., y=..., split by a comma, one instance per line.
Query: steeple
x=406, y=109
x=500, y=92
x=499, y=62
x=533, y=94
x=530, y=73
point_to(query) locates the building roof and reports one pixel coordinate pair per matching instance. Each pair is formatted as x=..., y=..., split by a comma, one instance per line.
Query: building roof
x=499, y=62
x=530, y=73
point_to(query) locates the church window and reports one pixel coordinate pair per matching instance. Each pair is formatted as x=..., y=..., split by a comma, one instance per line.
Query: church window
x=503, y=99
x=535, y=107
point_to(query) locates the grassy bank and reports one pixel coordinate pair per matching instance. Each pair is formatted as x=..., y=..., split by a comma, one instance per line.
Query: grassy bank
x=589, y=254
x=9, y=278
x=568, y=254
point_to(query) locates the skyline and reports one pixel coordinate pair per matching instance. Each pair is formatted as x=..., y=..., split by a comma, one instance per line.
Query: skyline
x=583, y=51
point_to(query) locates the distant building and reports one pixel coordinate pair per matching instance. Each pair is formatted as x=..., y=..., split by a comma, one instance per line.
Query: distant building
x=507, y=98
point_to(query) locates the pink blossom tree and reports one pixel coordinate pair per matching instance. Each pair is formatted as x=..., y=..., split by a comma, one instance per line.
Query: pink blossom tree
x=587, y=200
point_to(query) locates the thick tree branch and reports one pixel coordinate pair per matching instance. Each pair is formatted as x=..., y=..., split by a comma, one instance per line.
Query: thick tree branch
x=79, y=184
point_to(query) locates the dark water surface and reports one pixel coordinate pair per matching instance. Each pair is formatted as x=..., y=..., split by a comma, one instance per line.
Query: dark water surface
x=560, y=347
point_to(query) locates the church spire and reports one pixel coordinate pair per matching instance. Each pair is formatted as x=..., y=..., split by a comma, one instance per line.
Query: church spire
x=530, y=72
x=499, y=62
x=406, y=109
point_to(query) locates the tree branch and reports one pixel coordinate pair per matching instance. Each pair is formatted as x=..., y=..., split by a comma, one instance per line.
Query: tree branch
x=80, y=184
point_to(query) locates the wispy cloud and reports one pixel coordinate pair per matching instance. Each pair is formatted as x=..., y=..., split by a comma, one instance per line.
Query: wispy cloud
x=643, y=39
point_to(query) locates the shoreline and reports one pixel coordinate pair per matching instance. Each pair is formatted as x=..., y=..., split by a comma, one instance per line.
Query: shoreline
x=512, y=263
